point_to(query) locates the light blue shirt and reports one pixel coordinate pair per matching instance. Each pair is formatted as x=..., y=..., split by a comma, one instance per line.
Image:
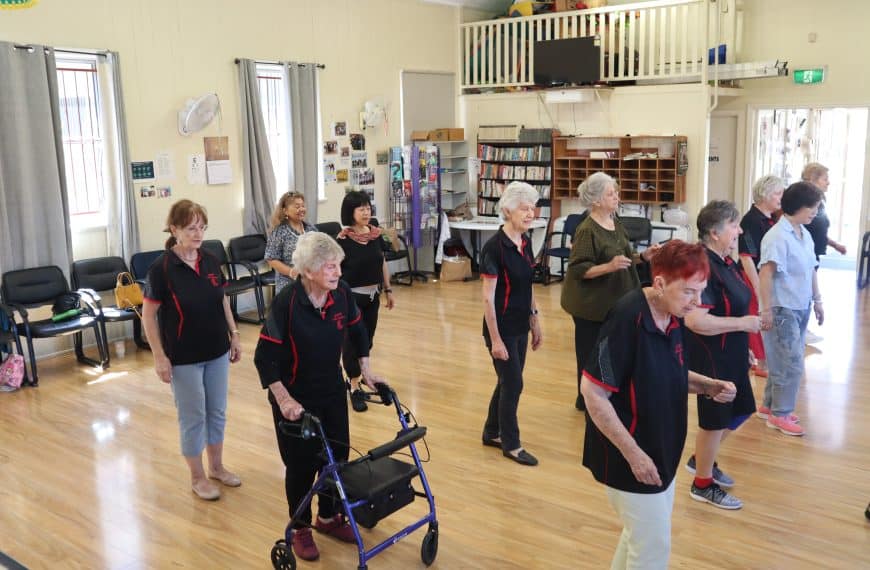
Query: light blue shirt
x=795, y=260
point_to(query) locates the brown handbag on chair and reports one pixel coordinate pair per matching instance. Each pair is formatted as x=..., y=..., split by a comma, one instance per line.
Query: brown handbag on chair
x=128, y=294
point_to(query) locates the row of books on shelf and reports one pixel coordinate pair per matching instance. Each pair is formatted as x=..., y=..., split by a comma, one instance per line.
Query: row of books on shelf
x=494, y=189
x=508, y=172
x=527, y=153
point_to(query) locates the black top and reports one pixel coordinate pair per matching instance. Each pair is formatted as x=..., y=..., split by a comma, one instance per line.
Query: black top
x=818, y=228
x=723, y=356
x=647, y=375
x=301, y=345
x=754, y=225
x=500, y=259
x=193, y=326
x=363, y=264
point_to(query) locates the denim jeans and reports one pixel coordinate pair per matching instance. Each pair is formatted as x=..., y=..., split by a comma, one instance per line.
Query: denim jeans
x=784, y=347
x=200, y=391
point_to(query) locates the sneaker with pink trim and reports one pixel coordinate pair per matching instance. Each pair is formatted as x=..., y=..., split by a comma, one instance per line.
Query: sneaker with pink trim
x=763, y=413
x=784, y=425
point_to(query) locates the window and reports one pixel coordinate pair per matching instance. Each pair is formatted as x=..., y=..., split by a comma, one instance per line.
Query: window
x=272, y=85
x=273, y=103
x=84, y=142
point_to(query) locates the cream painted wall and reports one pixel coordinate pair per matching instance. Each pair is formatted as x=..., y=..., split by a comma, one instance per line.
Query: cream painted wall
x=660, y=110
x=172, y=50
x=779, y=29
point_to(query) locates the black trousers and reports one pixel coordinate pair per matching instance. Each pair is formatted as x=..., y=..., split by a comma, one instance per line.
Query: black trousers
x=369, y=308
x=302, y=459
x=585, y=335
x=501, y=421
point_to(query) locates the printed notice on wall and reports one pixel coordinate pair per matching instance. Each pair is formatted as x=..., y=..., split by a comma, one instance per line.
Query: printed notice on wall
x=195, y=169
x=163, y=166
x=217, y=160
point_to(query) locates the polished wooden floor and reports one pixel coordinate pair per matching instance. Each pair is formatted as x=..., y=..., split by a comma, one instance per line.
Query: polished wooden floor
x=90, y=473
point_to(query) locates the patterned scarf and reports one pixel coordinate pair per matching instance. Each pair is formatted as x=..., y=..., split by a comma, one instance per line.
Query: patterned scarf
x=373, y=233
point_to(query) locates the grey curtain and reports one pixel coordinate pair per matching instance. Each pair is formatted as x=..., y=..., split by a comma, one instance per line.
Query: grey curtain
x=123, y=228
x=34, y=212
x=256, y=161
x=304, y=129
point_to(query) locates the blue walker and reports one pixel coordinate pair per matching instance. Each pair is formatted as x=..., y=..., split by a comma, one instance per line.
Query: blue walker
x=371, y=487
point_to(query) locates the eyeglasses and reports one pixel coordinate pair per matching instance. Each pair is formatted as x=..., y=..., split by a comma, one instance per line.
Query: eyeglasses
x=194, y=229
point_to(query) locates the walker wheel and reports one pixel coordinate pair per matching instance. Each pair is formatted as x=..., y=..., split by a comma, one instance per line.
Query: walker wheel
x=429, y=550
x=282, y=557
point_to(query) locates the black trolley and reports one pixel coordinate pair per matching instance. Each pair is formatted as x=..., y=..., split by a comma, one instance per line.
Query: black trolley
x=371, y=487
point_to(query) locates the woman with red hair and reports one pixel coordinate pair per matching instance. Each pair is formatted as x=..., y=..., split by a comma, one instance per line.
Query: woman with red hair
x=636, y=391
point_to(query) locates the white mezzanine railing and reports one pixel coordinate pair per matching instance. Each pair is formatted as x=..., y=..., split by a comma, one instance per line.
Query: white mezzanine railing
x=660, y=39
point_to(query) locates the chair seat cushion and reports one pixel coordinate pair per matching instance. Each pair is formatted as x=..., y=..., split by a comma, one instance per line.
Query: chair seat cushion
x=267, y=278
x=114, y=314
x=559, y=252
x=395, y=255
x=239, y=286
x=48, y=328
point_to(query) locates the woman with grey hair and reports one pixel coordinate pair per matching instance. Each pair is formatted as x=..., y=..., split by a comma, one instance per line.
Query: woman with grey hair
x=766, y=196
x=507, y=266
x=601, y=268
x=298, y=360
x=718, y=346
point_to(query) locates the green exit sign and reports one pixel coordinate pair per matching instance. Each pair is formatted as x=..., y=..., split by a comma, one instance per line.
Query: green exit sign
x=807, y=76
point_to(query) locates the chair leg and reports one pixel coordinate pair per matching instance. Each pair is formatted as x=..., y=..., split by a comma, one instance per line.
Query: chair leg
x=103, y=362
x=234, y=303
x=34, y=378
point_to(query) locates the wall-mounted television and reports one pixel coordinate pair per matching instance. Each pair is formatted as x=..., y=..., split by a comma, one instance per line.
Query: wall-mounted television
x=573, y=61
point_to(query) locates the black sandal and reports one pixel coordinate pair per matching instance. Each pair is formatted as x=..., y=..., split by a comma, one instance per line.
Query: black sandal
x=523, y=457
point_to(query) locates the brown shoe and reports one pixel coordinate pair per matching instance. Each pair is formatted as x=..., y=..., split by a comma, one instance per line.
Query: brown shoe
x=227, y=478
x=303, y=544
x=205, y=490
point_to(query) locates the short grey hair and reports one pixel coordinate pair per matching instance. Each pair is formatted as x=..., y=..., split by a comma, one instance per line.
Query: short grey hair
x=593, y=188
x=813, y=171
x=515, y=194
x=714, y=216
x=765, y=186
x=313, y=250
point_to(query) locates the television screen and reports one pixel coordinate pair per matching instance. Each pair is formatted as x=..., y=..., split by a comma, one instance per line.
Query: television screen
x=565, y=62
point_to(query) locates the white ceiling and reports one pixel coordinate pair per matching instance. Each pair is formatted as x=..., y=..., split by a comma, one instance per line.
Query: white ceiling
x=485, y=5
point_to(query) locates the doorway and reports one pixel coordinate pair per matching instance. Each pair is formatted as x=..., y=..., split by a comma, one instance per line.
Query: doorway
x=788, y=139
x=722, y=159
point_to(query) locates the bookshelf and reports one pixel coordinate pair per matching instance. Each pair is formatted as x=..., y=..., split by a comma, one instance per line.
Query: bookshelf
x=454, y=172
x=502, y=162
x=649, y=169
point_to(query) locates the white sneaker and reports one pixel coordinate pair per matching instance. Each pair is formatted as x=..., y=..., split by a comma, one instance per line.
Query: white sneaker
x=813, y=338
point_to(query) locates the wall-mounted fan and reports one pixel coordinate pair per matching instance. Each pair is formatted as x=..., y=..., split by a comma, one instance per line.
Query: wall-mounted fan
x=198, y=113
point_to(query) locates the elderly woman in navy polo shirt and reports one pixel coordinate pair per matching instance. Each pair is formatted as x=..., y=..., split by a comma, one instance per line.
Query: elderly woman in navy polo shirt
x=297, y=359
x=636, y=391
x=506, y=266
x=193, y=338
x=719, y=345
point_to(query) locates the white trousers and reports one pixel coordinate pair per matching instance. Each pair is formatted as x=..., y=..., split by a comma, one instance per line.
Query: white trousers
x=646, y=529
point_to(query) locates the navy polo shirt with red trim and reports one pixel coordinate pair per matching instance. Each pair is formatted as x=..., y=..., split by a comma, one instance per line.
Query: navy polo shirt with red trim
x=300, y=345
x=646, y=373
x=193, y=326
x=754, y=225
x=500, y=259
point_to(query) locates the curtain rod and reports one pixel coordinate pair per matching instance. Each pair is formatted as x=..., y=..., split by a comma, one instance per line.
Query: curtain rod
x=98, y=53
x=318, y=65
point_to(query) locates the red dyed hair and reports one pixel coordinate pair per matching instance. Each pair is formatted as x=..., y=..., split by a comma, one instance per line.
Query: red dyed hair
x=680, y=260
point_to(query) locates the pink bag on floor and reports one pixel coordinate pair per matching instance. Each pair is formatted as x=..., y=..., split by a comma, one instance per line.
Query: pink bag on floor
x=11, y=373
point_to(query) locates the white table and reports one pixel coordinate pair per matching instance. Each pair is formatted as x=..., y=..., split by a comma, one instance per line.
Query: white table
x=490, y=224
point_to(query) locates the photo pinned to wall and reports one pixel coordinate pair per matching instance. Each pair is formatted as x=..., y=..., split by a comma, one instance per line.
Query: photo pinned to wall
x=382, y=157
x=359, y=159
x=339, y=129
x=370, y=191
x=357, y=141
x=328, y=170
x=345, y=151
x=362, y=176
x=217, y=160
x=147, y=191
x=164, y=192
x=330, y=147
x=341, y=175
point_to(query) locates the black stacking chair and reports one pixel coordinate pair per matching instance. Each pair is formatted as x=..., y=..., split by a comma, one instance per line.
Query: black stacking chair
x=252, y=249
x=237, y=285
x=563, y=251
x=9, y=339
x=329, y=228
x=141, y=262
x=638, y=229
x=101, y=274
x=395, y=255
x=24, y=289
